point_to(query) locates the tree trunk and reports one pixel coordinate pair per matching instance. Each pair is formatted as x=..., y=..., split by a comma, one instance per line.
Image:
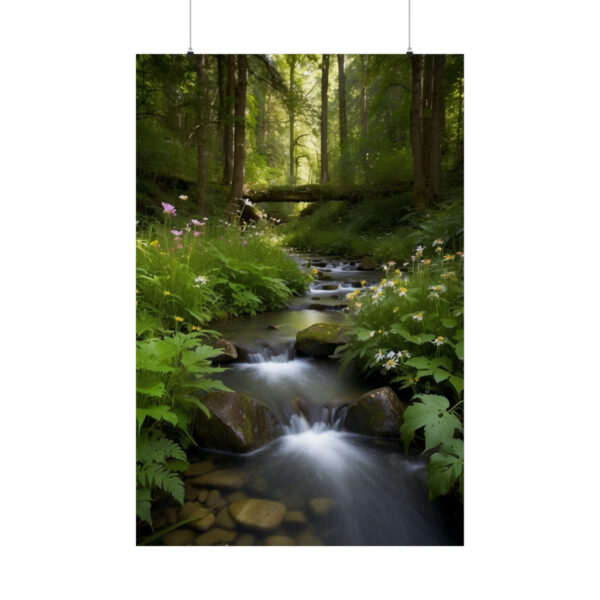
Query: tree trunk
x=437, y=127
x=228, y=121
x=239, y=155
x=364, y=116
x=260, y=131
x=201, y=129
x=221, y=68
x=416, y=132
x=426, y=113
x=324, y=89
x=292, y=161
x=345, y=175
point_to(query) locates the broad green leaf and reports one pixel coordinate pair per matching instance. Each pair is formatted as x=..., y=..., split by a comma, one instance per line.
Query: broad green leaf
x=419, y=362
x=457, y=383
x=448, y=322
x=443, y=471
x=459, y=349
x=441, y=361
x=156, y=390
x=157, y=413
x=440, y=375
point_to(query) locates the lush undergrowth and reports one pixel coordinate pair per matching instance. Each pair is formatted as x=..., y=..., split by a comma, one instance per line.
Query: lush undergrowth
x=190, y=272
x=410, y=328
x=384, y=228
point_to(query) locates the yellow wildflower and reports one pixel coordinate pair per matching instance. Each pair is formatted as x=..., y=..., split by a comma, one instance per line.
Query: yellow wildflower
x=154, y=243
x=179, y=319
x=137, y=291
x=196, y=328
x=449, y=257
x=397, y=271
x=363, y=282
x=166, y=293
x=315, y=271
x=396, y=309
x=427, y=261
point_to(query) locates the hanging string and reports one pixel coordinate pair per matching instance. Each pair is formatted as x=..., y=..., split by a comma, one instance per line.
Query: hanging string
x=409, y=51
x=190, y=51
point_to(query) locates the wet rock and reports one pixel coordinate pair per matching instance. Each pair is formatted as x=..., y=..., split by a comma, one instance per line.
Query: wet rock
x=300, y=407
x=237, y=423
x=191, y=493
x=279, y=540
x=225, y=478
x=228, y=351
x=196, y=469
x=214, y=498
x=202, y=495
x=308, y=539
x=188, y=508
x=321, y=339
x=324, y=276
x=236, y=496
x=246, y=539
x=262, y=515
x=202, y=519
x=215, y=536
x=273, y=327
x=171, y=514
x=321, y=507
x=295, y=519
x=179, y=537
x=367, y=264
x=330, y=286
x=378, y=413
x=224, y=519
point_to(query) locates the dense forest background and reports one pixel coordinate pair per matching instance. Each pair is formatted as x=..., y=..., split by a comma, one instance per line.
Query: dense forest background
x=214, y=128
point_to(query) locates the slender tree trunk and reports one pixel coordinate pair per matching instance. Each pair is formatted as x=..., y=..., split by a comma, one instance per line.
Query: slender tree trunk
x=437, y=127
x=324, y=89
x=239, y=155
x=221, y=73
x=364, y=116
x=416, y=132
x=291, y=107
x=201, y=129
x=426, y=113
x=343, y=121
x=228, y=121
x=260, y=94
x=459, y=124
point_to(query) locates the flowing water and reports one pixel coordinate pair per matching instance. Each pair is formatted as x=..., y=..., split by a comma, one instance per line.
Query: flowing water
x=353, y=489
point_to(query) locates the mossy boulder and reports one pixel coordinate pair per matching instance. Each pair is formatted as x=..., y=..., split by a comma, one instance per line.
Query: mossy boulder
x=237, y=423
x=367, y=264
x=321, y=339
x=378, y=413
x=229, y=352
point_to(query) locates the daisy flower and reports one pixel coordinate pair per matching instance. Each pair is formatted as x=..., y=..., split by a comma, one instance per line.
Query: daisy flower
x=438, y=341
x=418, y=317
x=169, y=209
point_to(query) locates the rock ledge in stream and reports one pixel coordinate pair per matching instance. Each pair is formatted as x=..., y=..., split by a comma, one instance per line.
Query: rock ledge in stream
x=321, y=339
x=378, y=413
x=229, y=352
x=237, y=423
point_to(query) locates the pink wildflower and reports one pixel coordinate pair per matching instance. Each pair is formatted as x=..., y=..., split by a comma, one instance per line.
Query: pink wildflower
x=169, y=209
x=196, y=222
x=175, y=232
x=179, y=246
x=196, y=233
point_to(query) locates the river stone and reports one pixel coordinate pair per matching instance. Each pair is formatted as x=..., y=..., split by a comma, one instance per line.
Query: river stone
x=225, y=478
x=308, y=539
x=378, y=413
x=367, y=264
x=202, y=495
x=263, y=515
x=229, y=352
x=246, y=539
x=321, y=507
x=203, y=519
x=237, y=496
x=224, y=519
x=179, y=537
x=295, y=519
x=237, y=423
x=321, y=339
x=215, y=536
x=214, y=498
x=171, y=514
x=188, y=508
x=191, y=493
x=279, y=540
x=200, y=468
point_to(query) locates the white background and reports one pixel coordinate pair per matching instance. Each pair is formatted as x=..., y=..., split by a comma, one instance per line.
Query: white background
x=67, y=187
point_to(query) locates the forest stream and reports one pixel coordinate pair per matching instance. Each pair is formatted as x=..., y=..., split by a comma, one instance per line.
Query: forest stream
x=339, y=488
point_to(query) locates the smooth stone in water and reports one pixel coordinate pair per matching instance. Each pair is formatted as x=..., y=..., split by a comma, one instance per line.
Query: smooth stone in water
x=246, y=539
x=229, y=352
x=188, y=508
x=308, y=539
x=263, y=515
x=237, y=496
x=367, y=264
x=321, y=506
x=295, y=519
x=215, y=536
x=202, y=495
x=226, y=478
x=214, y=498
x=224, y=519
x=179, y=537
x=204, y=519
x=378, y=413
x=171, y=514
x=196, y=469
x=279, y=540
x=191, y=493
x=321, y=339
